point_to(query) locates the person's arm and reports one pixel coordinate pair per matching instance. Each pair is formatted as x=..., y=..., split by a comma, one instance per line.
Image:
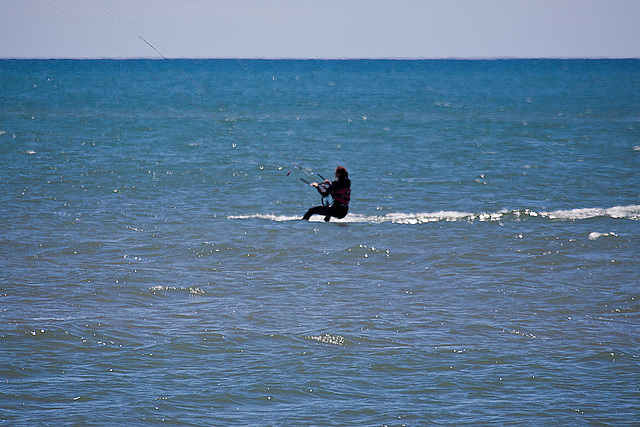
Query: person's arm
x=323, y=189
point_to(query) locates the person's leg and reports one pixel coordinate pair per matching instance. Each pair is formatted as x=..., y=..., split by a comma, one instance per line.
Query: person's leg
x=337, y=212
x=340, y=211
x=327, y=211
x=318, y=210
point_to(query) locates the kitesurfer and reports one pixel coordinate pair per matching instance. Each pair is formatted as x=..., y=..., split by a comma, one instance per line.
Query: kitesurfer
x=340, y=191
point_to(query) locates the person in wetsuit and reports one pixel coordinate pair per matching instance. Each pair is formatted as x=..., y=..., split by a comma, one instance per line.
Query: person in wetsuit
x=340, y=191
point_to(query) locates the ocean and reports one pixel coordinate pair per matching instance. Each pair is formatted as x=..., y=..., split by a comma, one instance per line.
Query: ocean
x=154, y=268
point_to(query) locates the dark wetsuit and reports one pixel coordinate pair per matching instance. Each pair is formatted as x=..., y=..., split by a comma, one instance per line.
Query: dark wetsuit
x=340, y=191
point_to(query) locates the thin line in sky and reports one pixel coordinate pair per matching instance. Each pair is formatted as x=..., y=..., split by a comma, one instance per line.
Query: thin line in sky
x=84, y=26
x=131, y=26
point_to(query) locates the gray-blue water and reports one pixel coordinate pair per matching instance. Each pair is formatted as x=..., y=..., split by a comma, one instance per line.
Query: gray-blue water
x=153, y=268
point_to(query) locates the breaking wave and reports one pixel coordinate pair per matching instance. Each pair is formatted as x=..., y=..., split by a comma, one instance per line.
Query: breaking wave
x=631, y=212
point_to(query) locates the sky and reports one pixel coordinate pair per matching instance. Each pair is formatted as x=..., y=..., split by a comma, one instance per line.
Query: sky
x=320, y=29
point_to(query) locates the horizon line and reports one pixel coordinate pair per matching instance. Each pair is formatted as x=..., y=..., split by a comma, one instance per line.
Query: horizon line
x=312, y=58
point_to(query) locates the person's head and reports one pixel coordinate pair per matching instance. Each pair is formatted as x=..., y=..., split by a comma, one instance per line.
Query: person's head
x=341, y=172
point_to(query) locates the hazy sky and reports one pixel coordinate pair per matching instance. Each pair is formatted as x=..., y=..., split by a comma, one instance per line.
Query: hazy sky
x=320, y=29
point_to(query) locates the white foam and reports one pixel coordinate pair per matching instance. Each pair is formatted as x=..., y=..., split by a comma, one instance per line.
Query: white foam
x=625, y=212
x=395, y=218
x=595, y=235
x=270, y=217
x=628, y=212
x=193, y=290
x=329, y=339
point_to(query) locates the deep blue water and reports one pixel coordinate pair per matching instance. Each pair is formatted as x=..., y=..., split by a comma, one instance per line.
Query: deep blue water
x=153, y=268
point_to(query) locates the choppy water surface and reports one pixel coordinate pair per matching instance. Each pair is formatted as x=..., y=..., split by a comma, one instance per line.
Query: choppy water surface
x=153, y=267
